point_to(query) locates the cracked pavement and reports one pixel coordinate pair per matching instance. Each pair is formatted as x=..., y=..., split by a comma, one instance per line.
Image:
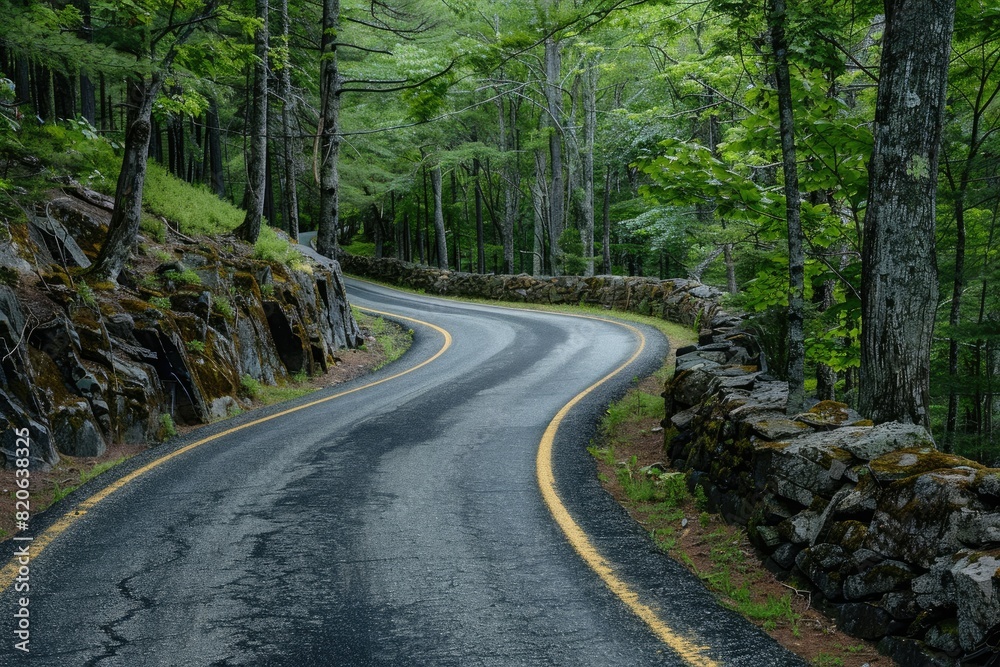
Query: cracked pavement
x=398, y=525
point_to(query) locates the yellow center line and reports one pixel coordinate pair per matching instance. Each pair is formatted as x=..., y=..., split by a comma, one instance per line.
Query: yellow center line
x=689, y=651
x=39, y=543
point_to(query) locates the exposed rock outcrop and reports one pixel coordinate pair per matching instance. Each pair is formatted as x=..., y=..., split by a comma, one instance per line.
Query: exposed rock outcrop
x=83, y=366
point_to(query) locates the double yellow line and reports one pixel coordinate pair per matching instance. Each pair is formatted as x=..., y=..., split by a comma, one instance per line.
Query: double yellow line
x=39, y=543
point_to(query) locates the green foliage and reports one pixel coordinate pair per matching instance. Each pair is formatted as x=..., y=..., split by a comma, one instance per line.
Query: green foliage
x=271, y=247
x=360, y=247
x=59, y=492
x=161, y=302
x=185, y=277
x=85, y=294
x=635, y=407
x=194, y=209
x=251, y=387
x=197, y=346
x=167, y=427
x=104, y=466
x=222, y=306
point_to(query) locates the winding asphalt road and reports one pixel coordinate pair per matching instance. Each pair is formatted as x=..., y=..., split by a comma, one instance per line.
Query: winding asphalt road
x=398, y=524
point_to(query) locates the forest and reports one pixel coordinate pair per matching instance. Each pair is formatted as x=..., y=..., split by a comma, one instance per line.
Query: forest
x=828, y=162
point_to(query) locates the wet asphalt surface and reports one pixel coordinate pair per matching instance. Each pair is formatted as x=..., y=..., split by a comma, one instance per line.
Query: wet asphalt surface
x=399, y=525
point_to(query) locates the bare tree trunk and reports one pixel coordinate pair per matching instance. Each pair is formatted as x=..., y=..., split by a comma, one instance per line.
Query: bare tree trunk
x=899, y=287
x=512, y=183
x=539, y=202
x=257, y=163
x=439, y=231
x=606, y=219
x=590, y=77
x=553, y=96
x=826, y=377
x=480, y=234
x=290, y=201
x=124, y=226
x=796, y=255
x=329, y=187
x=213, y=139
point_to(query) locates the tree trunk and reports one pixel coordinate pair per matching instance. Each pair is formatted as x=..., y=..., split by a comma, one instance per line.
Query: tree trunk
x=124, y=226
x=329, y=187
x=796, y=256
x=539, y=202
x=64, y=96
x=88, y=102
x=899, y=286
x=290, y=200
x=590, y=76
x=213, y=139
x=606, y=220
x=512, y=183
x=480, y=237
x=826, y=377
x=257, y=161
x=439, y=232
x=553, y=97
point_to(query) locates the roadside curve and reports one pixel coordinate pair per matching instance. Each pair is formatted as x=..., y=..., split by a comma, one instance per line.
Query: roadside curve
x=407, y=524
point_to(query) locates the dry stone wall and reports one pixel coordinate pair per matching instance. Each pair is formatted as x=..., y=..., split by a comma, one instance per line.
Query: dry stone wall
x=683, y=301
x=899, y=541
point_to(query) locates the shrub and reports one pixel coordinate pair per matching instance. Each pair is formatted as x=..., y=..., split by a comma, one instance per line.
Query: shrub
x=161, y=302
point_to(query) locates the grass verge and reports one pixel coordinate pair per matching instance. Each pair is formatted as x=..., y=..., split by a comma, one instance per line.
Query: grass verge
x=632, y=468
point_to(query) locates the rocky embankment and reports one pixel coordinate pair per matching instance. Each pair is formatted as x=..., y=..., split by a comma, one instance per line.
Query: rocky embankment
x=84, y=365
x=898, y=541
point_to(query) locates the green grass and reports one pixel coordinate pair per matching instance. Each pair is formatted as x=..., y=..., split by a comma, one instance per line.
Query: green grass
x=635, y=407
x=167, y=428
x=393, y=340
x=194, y=209
x=161, y=302
x=60, y=492
x=360, y=248
x=185, y=277
x=270, y=394
x=87, y=475
x=222, y=306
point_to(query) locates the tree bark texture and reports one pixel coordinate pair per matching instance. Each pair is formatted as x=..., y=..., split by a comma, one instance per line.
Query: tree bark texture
x=899, y=288
x=329, y=145
x=257, y=162
x=124, y=226
x=553, y=97
x=439, y=232
x=796, y=257
x=290, y=199
x=590, y=76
